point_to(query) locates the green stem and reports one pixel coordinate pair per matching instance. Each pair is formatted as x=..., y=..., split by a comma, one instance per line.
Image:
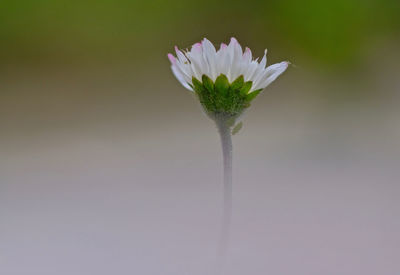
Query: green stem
x=224, y=129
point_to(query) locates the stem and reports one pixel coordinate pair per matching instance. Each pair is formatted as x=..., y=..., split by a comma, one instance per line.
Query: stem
x=226, y=142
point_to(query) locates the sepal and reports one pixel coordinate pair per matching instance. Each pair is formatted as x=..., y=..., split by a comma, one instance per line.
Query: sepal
x=224, y=98
x=222, y=84
x=246, y=88
x=252, y=95
x=238, y=83
x=207, y=83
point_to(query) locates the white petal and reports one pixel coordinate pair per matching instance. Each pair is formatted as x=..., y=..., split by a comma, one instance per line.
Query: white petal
x=231, y=56
x=195, y=56
x=273, y=72
x=180, y=78
x=237, y=48
x=181, y=57
x=237, y=61
x=199, y=63
x=223, y=60
x=263, y=61
x=251, y=69
x=257, y=74
x=209, y=54
x=247, y=56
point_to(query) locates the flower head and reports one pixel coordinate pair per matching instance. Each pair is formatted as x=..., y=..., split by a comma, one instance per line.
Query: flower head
x=225, y=80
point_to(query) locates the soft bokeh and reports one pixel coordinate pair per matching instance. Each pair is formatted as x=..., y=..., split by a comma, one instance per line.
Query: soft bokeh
x=108, y=166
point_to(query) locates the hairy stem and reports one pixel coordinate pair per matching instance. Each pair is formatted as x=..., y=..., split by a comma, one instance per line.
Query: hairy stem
x=224, y=130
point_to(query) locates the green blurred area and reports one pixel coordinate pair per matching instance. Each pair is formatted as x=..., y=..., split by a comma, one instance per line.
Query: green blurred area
x=330, y=33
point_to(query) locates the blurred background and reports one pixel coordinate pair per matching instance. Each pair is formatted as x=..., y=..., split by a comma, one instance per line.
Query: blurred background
x=108, y=165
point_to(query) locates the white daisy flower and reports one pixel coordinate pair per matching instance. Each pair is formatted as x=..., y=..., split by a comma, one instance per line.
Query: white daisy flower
x=229, y=60
x=225, y=82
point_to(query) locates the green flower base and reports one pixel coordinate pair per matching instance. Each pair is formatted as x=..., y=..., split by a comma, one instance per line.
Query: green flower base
x=223, y=98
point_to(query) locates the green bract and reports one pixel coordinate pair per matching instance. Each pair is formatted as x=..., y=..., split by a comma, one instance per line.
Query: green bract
x=222, y=97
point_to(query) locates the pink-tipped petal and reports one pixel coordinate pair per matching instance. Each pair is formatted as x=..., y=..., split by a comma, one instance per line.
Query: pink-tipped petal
x=247, y=55
x=234, y=40
x=171, y=58
x=196, y=48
